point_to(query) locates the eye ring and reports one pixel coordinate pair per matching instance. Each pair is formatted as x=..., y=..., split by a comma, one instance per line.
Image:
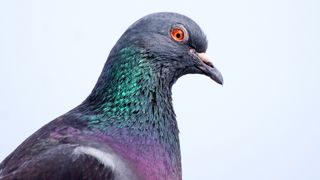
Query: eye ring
x=179, y=33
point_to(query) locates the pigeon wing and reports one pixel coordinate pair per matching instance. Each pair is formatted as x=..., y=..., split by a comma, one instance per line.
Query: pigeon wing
x=61, y=162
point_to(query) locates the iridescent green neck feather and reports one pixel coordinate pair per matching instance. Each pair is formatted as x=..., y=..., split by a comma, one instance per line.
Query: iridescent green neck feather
x=134, y=94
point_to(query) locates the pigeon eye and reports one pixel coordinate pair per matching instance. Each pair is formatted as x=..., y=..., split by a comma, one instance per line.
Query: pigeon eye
x=178, y=34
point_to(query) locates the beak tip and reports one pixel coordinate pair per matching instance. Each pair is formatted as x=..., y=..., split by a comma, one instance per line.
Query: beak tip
x=216, y=76
x=219, y=80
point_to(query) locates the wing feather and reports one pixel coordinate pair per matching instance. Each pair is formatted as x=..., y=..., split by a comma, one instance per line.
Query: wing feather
x=61, y=162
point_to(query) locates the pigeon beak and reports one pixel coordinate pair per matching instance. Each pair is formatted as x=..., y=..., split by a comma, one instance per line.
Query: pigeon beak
x=207, y=67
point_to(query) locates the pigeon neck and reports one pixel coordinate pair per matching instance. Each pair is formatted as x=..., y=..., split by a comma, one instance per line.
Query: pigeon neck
x=130, y=85
x=132, y=102
x=133, y=92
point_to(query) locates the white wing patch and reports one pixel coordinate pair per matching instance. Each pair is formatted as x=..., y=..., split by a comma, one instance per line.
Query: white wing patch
x=106, y=159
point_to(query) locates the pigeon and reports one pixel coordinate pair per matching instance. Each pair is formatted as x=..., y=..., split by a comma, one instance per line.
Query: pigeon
x=126, y=128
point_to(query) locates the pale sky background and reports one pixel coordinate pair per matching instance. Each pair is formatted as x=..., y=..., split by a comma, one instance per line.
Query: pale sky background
x=263, y=124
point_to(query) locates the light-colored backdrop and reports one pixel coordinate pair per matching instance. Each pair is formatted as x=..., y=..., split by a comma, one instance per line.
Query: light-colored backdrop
x=264, y=123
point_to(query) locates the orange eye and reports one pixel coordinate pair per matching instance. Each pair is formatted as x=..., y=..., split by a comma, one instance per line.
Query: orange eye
x=177, y=34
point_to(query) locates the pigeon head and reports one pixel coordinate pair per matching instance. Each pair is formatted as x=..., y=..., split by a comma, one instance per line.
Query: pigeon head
x=174, y=43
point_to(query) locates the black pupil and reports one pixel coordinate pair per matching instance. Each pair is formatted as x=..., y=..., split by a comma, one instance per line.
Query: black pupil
x=178, y=35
